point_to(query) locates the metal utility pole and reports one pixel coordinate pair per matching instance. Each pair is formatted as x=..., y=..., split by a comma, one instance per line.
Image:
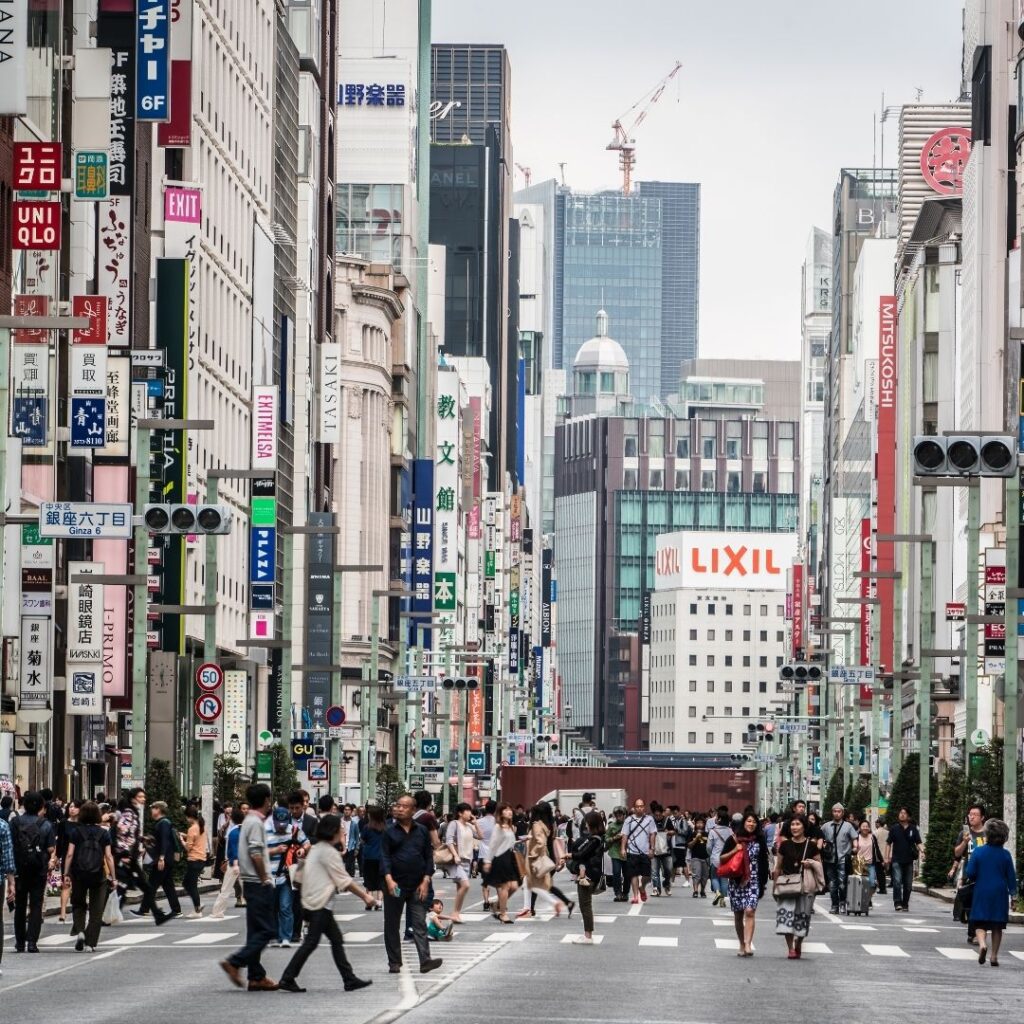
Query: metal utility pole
x=971, y=634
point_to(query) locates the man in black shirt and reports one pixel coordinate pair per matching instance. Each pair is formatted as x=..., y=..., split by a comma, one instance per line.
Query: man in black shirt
x=407, y=862
x=34, y=843
x=902, y=848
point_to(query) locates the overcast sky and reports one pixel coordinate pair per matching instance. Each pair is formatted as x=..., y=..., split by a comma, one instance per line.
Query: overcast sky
x=772, y=100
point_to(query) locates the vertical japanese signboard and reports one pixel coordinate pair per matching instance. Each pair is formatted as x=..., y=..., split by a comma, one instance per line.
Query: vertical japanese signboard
x=153, y=60
x=422, y=549
x=235, y=714
x=35, y=687
x=447, y=493
x=177, y=131
x=319, y=618
x=864, y=647
x=885, y=471
x=84, y=670
x=798, y=611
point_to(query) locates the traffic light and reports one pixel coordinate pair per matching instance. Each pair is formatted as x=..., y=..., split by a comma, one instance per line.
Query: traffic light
x=177, y=519
x=963, y=455
x=800, y=672
x=459, y=683
x=739, y=758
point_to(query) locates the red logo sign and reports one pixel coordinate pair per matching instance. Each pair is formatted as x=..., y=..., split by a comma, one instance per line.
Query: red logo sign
x=667, y=562
x=731, y=560
x=956, y=611
x=943, y=158
x=995, y=575
x=35, y=225
x=31, y=305
x=37, y=166
x=95, y=308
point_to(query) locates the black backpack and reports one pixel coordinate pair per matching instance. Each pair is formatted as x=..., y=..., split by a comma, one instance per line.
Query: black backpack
x=87, y=865
x=30, y=858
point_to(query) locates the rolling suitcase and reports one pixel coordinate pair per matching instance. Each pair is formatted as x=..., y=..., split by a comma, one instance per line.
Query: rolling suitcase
x=858, y=895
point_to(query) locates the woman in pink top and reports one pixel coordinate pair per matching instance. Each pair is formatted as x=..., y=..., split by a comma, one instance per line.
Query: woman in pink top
x=864, y=848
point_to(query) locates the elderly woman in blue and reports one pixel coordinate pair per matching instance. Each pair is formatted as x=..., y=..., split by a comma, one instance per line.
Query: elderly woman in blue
x=991, y=870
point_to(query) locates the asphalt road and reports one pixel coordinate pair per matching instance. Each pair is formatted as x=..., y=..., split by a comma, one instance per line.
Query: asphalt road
x=670, y=960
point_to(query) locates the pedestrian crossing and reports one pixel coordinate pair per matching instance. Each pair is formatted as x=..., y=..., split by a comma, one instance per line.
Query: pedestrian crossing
x=877, y=938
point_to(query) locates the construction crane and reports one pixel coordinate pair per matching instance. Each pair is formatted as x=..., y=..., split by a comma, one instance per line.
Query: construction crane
x=526, y=172
x=623, y=140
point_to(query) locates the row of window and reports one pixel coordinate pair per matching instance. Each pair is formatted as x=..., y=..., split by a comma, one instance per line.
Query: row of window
x=660, y=686
x=709, y=481
x=708, y=447
x=668, y=660
x=660, y=635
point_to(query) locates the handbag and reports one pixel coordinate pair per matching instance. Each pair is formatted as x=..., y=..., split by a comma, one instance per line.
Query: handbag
x=443, y=857
x=813, y=879
x=543, y=865
x=962, y=902
x=520, y=863
x=791, y=884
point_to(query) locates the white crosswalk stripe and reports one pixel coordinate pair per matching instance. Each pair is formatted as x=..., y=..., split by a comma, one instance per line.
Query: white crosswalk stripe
x=362, y=936
x=883, y=950
x=659, y=940
x=205, y=939
x=57, y=940
x=921, y=930
x=514, y=936
x=131, y=940
x=570, y=939
x=957, y=953
x=815, y=947
x=670, y=920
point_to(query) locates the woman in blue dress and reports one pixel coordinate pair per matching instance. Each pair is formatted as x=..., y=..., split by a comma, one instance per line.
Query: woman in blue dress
x=990, y=868
x=744, y=896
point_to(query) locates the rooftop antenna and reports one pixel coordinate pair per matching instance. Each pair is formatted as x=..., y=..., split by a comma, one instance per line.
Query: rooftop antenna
x=561, y=169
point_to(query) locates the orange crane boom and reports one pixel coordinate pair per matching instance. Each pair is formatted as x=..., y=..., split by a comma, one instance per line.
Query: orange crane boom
x=623, y=140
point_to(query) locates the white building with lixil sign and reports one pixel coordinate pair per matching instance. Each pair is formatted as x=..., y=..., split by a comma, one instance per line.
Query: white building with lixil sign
x=718, y=637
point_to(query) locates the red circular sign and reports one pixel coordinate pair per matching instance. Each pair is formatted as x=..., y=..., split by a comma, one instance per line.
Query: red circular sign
x=209, y=676
x=943, y=158
x=208, y=707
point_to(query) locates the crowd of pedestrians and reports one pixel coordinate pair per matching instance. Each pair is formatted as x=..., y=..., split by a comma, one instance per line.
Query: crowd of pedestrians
x=283, y=860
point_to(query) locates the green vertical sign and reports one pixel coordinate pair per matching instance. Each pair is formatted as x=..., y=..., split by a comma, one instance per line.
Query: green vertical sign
x=489, y=565
x=30, y=537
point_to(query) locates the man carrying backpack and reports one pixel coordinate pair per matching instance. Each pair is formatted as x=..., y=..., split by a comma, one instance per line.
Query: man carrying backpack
x=6, y=873
x=167, y=851
x=34, y=854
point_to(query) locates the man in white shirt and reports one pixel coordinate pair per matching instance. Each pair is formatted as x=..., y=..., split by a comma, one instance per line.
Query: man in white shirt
x=637, y=837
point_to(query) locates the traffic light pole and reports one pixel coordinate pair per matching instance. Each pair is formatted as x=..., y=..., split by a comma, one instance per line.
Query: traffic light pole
x=925, y=682
x=1011, y=725
x=140, y=681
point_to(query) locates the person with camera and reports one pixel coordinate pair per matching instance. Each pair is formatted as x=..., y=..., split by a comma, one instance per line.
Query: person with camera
x=972, y=836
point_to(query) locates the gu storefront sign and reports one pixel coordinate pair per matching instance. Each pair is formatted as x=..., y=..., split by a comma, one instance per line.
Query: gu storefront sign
x=745, y=561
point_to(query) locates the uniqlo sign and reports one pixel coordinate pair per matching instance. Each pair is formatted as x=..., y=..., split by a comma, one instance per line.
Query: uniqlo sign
x=37, y=166
x=35, y=225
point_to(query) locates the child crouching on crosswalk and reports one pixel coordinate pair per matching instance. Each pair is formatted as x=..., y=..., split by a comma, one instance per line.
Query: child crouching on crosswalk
x=437, y=931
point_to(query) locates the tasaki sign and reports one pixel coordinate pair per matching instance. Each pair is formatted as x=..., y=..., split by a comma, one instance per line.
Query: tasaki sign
x=742, y=561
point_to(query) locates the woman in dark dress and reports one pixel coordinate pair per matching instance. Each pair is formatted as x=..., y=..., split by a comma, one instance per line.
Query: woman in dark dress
x=991, y=869
x=501, y=871
x=793, y=913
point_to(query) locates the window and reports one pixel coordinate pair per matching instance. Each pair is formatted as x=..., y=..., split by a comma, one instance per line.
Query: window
x=693, y=686
x=693, y=659
x=709, y=710
x=711, y=634
x=779, y=635
x=691, y=711
x=763, y=636
x=728, y=686
x=762, y=661
x=727, y=711
x=746, y=661
x=683, y=447
x=778, y=662
x=728, y=611
x=711, y=609
x=711, y=661
x=707, y=480
x=707, y=448
x=746, y=689
x=629, y=448
x=657, y=480
x=607, y=383
x=691, y=737
x=682, y=479
x=732, y=448
x=711, y=686
x=784, y=447
x=785, y=483
x=780, y=610
x=732, y=482
x=630, y=479
x=746, y=636
x=728, y=661
x=693, y=611
x=778, y=687
x=760, y=482
x=709, y=737
x=762, y=687
x=727, y=738
x=745, y=712
x=693, y=634
x=728, y=632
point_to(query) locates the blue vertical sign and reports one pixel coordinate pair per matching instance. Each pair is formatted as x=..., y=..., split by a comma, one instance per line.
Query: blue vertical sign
x=28, y=421
x=152, y=60
x=422, y=547
x=88, y=422
x=262, y=552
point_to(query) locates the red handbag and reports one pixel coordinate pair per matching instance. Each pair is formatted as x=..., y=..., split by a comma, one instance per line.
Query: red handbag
x=735, y=865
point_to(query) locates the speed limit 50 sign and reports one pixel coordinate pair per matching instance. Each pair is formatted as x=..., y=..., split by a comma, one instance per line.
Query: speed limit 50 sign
x=209, y=676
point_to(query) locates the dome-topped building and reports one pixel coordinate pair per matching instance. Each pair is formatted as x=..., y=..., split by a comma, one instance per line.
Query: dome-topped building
x=600, y=373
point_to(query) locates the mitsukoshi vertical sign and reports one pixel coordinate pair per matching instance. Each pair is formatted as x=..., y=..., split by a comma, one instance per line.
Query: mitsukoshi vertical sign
x=885, y=469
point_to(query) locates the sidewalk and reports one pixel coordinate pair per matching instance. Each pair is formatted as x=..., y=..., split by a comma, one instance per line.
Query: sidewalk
x=947, y=895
